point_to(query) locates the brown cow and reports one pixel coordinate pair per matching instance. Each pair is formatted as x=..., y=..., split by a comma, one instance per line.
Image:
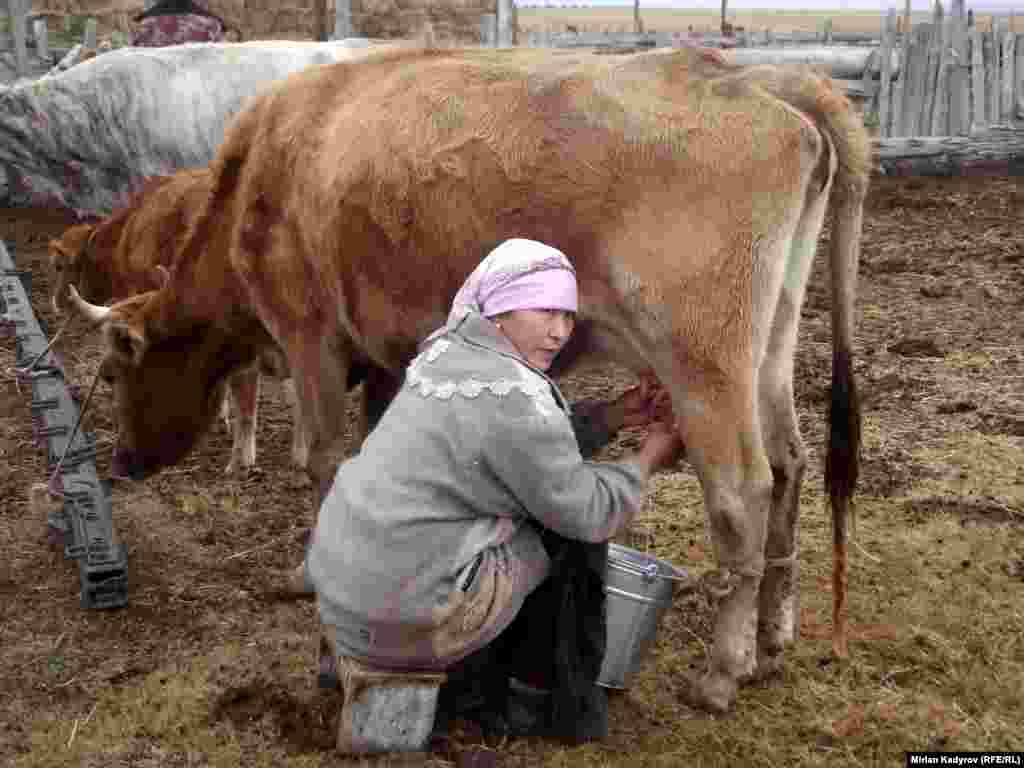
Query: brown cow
x=115, y=258
x=352, y=200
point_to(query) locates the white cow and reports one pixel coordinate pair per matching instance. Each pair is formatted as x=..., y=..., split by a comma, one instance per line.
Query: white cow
x=87, y=138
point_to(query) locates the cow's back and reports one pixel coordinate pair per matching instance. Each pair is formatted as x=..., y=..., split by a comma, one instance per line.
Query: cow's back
x=392, y=176
x=159, y=223
x=143, y=234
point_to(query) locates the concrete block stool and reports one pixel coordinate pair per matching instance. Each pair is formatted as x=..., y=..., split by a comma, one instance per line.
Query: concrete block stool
x=382, y=710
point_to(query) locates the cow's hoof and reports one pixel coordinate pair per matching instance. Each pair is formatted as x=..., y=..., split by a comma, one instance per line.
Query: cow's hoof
x=768, y=666
x=713, y=693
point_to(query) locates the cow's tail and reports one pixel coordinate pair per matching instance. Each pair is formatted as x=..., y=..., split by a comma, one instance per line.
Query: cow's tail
x=842, y=461
x=851, y=144
x=816, y=96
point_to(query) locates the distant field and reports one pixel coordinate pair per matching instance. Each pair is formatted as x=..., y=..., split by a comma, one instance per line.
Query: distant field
x=680, y=20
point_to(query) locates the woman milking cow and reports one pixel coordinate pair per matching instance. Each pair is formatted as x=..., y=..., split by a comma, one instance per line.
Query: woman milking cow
x=468, y=536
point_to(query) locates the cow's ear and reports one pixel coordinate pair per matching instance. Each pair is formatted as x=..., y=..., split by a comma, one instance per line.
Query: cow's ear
x=73, y=243
x=127, y=342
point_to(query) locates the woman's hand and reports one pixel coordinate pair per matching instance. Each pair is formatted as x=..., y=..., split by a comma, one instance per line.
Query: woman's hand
x=663, y=447
x=648, y=405
x=640, y=405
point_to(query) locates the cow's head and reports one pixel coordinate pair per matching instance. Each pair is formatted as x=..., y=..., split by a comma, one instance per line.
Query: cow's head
x=68, y=262
x=167, y=374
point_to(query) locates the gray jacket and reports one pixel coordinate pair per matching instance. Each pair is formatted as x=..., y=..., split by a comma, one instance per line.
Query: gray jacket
x=476, y=444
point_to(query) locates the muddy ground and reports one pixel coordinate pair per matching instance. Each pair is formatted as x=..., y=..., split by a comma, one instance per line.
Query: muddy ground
x=202, y=669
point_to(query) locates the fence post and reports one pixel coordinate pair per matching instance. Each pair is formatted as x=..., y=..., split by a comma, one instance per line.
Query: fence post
x=17, y=11
x=901, y=93
x=959, y=82
x=1009, y=69
x=39, y=32
x=919, y=85
x=488, y=29
x=342, y=19
x=884, y=111
x=910, y=73
x=504, y=22
x=977, y=81
x=944, y=93
x=990, y=49
x=89, y=37
x=868, y=83
x=1018, y=80
x=931, y=80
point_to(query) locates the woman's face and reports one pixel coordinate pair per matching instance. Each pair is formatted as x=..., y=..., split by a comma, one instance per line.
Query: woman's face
x=538, y=334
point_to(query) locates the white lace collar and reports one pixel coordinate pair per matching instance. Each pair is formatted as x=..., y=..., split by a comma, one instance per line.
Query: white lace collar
x=530, y=383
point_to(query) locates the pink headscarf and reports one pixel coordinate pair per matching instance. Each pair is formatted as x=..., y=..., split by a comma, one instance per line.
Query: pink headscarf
x=518, y=274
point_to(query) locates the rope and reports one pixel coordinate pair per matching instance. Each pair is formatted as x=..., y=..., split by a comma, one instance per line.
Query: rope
x=31, y=366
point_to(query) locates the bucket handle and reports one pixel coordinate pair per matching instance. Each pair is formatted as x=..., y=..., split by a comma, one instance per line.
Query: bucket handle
x=650, y=572
x=669, y=576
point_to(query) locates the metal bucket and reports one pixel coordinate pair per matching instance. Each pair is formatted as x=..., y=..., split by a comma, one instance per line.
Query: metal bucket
x=639, y=587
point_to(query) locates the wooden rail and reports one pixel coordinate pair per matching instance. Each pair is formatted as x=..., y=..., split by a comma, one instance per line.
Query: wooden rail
x=954, y=79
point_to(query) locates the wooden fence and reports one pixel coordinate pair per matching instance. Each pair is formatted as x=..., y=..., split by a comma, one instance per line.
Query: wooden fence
x=953, y=79
x=30, y=44
x=943, y=78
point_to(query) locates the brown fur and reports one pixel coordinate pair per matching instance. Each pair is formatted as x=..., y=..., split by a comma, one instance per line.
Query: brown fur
x=350, y=202
x=115, y=259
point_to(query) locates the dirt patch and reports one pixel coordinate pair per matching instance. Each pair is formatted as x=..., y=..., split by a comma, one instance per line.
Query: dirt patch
x=304, y=725
x=970, y=511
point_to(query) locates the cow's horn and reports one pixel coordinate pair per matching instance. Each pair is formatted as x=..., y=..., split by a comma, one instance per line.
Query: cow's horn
x=91, y=312
x=160, y=275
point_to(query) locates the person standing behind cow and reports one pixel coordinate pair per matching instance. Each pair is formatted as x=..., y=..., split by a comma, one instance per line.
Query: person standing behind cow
x=173, y=22
x=448, y=542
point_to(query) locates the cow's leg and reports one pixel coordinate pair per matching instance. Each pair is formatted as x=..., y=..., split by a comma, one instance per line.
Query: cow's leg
x=723, y=441
x=779, y=601
x=300, y=437
x=273, y=362
x=323, y=419
x=779, y=617
x=320, y=376
x=243, y=398
x=320, y=367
